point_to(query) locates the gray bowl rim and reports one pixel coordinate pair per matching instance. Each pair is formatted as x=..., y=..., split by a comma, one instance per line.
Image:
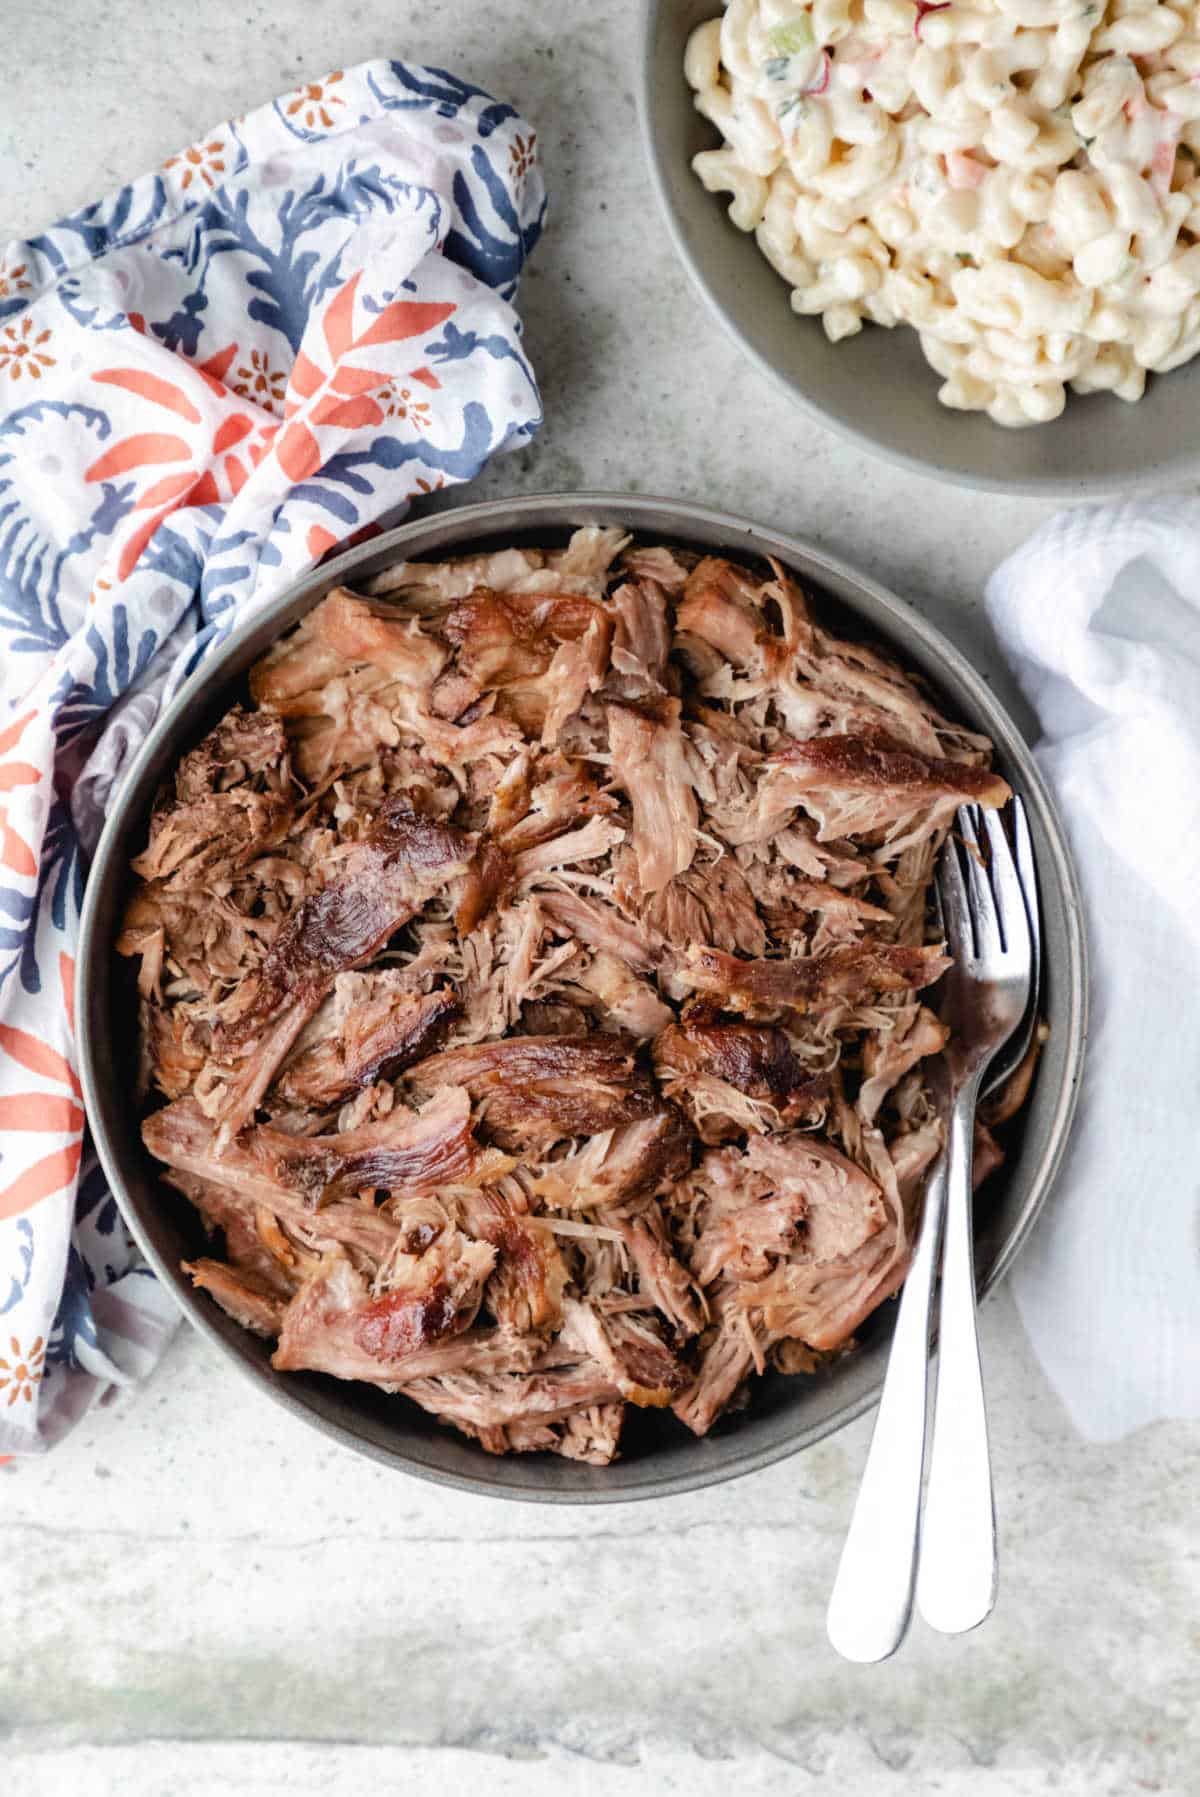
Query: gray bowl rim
x=1183, y=466
x=453, y=530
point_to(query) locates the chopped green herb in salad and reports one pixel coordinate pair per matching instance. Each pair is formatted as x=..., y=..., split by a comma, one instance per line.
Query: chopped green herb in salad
x=790, y=38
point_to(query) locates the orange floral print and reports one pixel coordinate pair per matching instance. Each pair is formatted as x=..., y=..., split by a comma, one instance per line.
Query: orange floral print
x=314, y=102
x=398, y=402
x=522, y=154
x=20, y=1374
x=50, y=1113
x=15, y=852
x=431, y=486
x=200, y=162
x=23, y=351
x=12, y=281
x=260, y=383
x=344, y=395
x=181, y=470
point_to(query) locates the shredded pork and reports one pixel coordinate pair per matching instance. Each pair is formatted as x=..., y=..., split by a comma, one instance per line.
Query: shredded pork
x=535, y=986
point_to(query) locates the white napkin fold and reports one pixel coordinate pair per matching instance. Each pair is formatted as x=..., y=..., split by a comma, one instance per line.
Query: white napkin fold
x=1099, y=615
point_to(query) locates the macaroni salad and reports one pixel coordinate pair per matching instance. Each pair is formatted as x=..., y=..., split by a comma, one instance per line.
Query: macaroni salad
x=1019, y=180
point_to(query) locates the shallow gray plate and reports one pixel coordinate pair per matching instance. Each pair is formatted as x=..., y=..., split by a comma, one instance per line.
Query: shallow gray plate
x=877, y=387
x=659, y=1456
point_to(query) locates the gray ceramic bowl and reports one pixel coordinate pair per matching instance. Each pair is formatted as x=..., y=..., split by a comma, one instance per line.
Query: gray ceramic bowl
x=877, y=388
x=659, y=1456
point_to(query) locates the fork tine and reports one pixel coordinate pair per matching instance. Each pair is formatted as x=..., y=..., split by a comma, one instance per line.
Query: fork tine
x=937, y=906
x=1011, y=904
x=984, y=922
x=1016, y=1048
x=1027, y=874
x=953, y=903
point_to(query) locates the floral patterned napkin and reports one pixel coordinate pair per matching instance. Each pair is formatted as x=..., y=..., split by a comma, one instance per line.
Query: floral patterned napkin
x=206, y=382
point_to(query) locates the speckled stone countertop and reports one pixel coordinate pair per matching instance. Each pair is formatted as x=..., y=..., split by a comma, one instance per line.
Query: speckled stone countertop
x=198, y=1595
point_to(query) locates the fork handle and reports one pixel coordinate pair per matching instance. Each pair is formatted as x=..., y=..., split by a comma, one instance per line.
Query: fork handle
x=872, y=1597
x=956, y=1584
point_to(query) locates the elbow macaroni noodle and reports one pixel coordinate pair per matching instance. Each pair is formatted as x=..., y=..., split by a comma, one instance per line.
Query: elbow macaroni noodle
x=1019, y=180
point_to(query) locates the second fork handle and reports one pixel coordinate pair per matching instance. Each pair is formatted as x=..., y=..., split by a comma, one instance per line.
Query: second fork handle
x=872, y=1596
x=956, y=1581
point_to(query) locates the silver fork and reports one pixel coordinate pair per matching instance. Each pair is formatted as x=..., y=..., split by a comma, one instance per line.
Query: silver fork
x=988, y=996
x=1009, y=1058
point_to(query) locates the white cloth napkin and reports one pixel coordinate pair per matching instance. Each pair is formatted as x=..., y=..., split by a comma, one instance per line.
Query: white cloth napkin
x=1100, y=616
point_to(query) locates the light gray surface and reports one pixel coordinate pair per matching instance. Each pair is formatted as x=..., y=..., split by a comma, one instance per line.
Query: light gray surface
x=224, y=1607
